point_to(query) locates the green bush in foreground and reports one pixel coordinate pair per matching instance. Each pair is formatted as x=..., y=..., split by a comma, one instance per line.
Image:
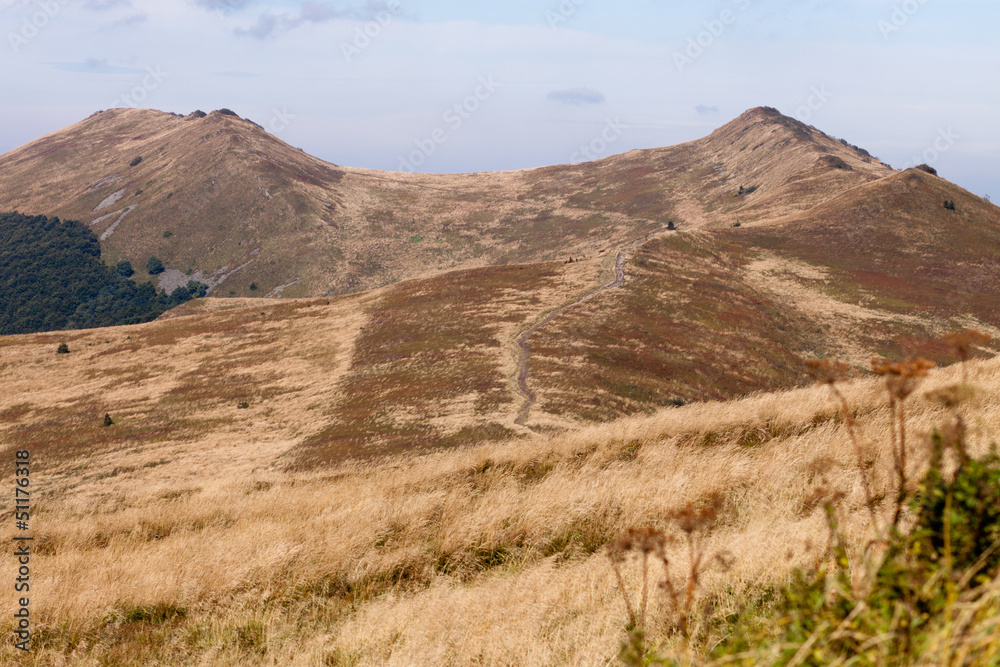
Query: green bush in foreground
x=934, y=594
x=926, y=594
x=934, y=597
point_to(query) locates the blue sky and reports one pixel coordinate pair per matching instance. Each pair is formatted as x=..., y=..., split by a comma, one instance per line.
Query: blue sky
x=444, y=86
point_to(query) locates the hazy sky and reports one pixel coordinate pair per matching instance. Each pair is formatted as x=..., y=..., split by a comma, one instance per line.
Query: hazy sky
x=444, y=85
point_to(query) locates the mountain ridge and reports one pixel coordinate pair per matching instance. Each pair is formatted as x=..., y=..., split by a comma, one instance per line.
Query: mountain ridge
x=242, y=207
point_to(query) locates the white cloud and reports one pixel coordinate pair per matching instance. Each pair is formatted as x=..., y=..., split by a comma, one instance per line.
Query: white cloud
x=576, y=96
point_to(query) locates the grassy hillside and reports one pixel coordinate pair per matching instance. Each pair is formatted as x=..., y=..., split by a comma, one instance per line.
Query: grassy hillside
x=883, y=268
x=329, y=378
x=205, y=551
x=897, y=243
x=703, y=315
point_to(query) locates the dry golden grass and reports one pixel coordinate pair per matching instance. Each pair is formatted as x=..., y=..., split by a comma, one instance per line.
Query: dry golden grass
x=485, y=555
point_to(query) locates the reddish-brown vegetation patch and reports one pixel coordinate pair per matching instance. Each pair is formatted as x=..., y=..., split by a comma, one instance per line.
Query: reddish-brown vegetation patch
x=684, y=327
x=429, y=344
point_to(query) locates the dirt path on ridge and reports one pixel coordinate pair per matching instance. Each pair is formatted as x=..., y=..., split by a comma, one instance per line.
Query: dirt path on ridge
x=524, y=352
